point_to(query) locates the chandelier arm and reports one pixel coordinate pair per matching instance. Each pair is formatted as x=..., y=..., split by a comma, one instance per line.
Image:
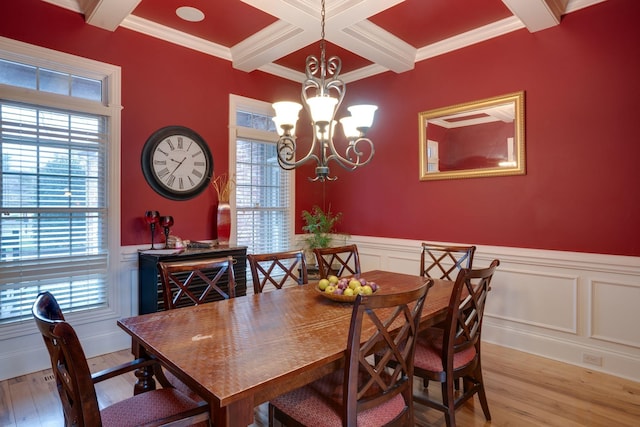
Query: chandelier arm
x=346, y=161
x=286, y=149
x=353, y=147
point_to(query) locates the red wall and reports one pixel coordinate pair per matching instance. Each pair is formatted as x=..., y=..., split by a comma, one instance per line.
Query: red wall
x=162, y=84
x=582, y=88
x=581, y=190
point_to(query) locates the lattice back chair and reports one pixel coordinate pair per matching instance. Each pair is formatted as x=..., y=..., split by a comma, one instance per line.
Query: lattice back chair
x=444, y=262
x=191, y=282
x=76, y=384
x=454, y=352
x=365, y=392
x=339, y=261
x=277, y=269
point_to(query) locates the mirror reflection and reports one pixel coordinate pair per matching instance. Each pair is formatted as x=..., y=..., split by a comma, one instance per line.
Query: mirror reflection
x=479, y=138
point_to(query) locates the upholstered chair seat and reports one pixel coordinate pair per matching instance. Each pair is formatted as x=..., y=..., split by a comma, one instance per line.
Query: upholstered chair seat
x=159, y=404
x=318, y=404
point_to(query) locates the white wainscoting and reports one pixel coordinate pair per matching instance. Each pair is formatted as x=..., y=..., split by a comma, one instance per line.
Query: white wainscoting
x=566, y=306
x=560, y=305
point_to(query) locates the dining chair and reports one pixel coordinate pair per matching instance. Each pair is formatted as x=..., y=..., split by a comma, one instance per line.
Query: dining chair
x=338, y=261
x=277, y=269
x=76, y=384
x=191, y=282
x=444, y=262
x=454, y=351
x=364, y=392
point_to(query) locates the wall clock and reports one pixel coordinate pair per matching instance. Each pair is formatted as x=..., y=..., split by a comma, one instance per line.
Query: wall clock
x=177, y=163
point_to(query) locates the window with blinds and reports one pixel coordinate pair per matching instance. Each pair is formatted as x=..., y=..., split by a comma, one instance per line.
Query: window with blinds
x=263, y=189
x=53, y=196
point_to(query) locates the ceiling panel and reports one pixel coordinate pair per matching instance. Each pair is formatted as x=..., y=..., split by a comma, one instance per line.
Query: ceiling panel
x=423, y=22
x=226, y=22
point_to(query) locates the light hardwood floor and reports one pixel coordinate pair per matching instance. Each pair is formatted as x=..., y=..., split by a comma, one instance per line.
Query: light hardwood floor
x=523, y=390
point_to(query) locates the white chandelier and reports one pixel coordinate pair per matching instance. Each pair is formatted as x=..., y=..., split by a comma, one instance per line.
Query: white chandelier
x=322, y=106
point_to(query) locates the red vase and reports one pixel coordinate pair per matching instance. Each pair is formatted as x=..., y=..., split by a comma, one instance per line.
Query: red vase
x=224, y=223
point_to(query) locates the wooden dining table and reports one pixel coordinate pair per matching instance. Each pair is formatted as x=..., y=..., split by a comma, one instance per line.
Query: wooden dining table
x=241, y=352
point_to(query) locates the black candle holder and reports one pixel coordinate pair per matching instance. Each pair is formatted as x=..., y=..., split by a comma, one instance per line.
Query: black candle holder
x=167, y=223
x=152, y=218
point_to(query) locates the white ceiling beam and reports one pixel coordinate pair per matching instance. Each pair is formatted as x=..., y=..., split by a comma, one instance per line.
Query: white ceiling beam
x=299, y=26
x=107, y=14
x=279, y=39
x=377, y=45
x=537, y=15
x=348, y=27
x=271, y=43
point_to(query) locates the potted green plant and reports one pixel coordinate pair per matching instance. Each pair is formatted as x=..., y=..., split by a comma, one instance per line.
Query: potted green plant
x=320, y=229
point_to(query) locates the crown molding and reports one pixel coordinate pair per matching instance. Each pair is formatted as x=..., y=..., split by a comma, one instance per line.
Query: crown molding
x=469, y=38
x=180, y=38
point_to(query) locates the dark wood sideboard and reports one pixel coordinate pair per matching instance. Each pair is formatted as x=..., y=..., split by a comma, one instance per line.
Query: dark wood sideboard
x=150, y=288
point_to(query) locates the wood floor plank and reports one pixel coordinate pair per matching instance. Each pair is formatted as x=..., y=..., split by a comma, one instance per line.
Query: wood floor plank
x=24, y=408
x=6, y=406
x=523, y=390
x=44, y=394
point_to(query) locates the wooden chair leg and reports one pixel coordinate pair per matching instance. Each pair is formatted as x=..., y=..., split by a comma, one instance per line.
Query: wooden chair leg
x=448, y=401
x=271, y=415
x=482, y=396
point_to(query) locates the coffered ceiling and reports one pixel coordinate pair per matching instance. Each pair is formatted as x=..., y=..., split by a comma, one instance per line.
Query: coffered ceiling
x=370, y=36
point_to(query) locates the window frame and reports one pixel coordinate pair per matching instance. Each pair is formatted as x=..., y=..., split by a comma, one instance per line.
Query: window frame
x=260, y=107
x=110, y=75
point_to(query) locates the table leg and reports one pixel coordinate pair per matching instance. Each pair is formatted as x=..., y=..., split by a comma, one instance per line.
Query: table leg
x=145, y=375
x=236, y=414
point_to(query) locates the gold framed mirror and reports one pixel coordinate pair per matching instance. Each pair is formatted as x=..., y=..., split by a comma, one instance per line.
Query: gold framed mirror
x=474, y=139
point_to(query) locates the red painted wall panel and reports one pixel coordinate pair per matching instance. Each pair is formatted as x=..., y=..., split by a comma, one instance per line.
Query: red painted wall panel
x=580, y=192
x=162, y=84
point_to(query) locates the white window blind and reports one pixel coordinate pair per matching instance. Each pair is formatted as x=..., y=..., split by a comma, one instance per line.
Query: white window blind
x=262, y=198
x=263, y=189
x=54, y=209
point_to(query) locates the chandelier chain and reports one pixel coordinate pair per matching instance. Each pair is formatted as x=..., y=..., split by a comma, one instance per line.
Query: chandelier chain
x=322, y=42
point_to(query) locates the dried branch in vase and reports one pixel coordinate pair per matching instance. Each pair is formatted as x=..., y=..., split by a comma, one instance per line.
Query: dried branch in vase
x=223, y=186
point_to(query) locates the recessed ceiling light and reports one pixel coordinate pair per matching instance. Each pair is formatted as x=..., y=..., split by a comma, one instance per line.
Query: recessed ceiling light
x=190, y=14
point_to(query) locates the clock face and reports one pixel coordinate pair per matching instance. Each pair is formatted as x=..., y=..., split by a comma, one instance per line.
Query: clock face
x=177, y=163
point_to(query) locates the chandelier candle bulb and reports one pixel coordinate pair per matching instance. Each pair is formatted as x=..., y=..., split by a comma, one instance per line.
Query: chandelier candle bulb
x=286, y=113
x=363, y=115
x=349, y=127
x=322, y=108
